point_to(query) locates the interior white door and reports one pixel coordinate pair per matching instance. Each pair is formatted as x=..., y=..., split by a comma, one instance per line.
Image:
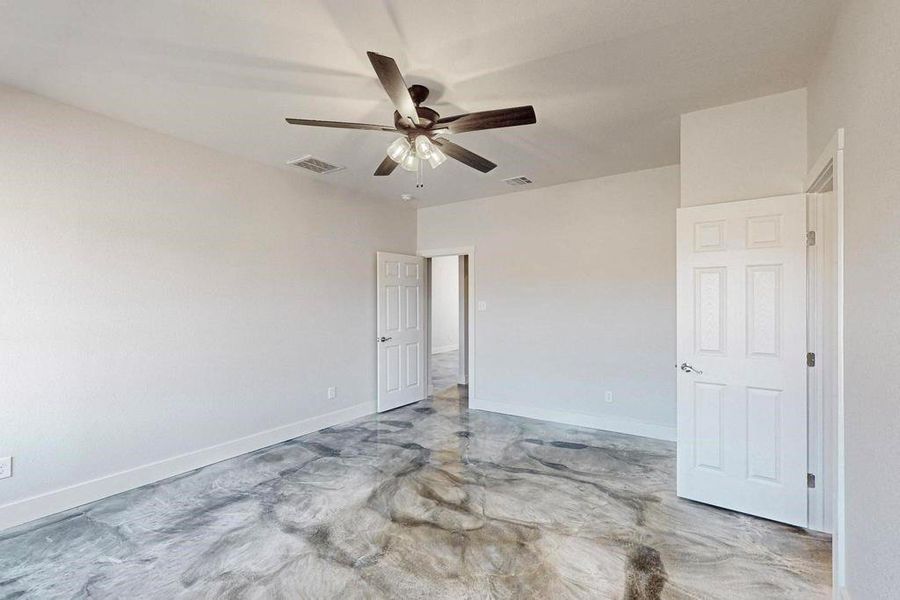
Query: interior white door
x=742, y=424
x=401, y=330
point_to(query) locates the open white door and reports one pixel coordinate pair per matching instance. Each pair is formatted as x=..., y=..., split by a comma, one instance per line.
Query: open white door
x=742, y=421
x=401, y=330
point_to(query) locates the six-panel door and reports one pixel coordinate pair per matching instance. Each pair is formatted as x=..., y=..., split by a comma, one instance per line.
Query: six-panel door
x=742, y=422
x=401, y=332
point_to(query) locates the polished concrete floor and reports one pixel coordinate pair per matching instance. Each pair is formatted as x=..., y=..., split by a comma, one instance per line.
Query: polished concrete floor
x=431, y=500
x=444, y=370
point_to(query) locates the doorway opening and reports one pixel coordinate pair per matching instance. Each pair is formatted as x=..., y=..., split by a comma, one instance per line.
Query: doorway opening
x=450, y=325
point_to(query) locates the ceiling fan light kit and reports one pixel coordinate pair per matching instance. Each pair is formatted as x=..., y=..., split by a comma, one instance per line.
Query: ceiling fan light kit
x=423, y=147
x=410, y=162
x=436, y=158
x=422, y=127
x=398, y=149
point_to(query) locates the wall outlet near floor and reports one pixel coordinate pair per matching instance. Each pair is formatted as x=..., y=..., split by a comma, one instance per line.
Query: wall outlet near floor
x=5, y=467
x=609, y=397
x=332, y=393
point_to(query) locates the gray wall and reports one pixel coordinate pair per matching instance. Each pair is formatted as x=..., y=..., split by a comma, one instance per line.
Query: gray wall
x=160, y=298
x=857, y=86
x=742, y=151
x=579, y=281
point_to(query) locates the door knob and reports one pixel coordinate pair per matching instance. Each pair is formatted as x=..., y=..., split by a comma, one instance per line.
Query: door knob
x=688, y=368
x=383, y=339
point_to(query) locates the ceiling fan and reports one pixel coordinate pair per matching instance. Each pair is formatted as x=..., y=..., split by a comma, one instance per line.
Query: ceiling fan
x=422, y=129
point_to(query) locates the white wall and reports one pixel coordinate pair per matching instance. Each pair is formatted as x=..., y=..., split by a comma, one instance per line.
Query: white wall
x=159, y=298
x=579, y=281
x=857, y=87
x=747, y=150
x=444, y=303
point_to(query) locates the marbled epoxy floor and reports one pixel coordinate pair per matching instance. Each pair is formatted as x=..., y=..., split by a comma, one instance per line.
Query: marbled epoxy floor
x=428, y=501
x=444, y=370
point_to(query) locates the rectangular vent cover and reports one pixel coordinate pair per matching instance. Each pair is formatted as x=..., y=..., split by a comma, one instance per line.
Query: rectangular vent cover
x=315, y=165
x=518, y=180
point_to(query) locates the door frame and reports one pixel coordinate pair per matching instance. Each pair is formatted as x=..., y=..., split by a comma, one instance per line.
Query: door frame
x=462, y=369
x=469, y=253
x=829, y=170
x=821, y=328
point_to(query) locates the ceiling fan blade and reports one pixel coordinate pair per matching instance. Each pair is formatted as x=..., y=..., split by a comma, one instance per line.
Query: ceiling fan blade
x=386, y=167
x=340, y=125
x=489, y=119
x=392, y=81
x=467, y=157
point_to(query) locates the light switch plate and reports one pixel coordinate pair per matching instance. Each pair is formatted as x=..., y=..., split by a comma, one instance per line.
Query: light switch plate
x=482, y=306
x=332, y=393
x=5, y=467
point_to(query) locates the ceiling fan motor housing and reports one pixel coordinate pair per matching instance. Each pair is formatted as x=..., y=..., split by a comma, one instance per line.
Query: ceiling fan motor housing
x=427, y=117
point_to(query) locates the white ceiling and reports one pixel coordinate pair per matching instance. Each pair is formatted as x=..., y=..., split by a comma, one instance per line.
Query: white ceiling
x=608, y=78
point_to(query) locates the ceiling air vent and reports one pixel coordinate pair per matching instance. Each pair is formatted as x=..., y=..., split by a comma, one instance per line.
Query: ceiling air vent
x=315, y=165
x=517, y=180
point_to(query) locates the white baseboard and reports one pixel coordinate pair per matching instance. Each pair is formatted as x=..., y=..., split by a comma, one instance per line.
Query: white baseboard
x=442, y=349
x=604, y=422
x=29, y=509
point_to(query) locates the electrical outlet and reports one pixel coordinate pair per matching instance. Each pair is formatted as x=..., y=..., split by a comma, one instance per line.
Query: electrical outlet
x=482, y=306
x=332, y=393
x=5, y=467
x=609, y=397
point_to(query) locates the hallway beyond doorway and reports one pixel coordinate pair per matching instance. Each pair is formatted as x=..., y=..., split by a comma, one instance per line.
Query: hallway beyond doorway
x=444, y=366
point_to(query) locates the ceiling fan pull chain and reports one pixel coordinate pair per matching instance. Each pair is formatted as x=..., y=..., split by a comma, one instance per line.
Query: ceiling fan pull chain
x=419, y=183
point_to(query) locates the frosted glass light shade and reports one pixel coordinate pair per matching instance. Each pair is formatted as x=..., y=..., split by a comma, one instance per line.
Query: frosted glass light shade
x=424, y=148
x=437, y=157
x=398, y=150
x=410, y=162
